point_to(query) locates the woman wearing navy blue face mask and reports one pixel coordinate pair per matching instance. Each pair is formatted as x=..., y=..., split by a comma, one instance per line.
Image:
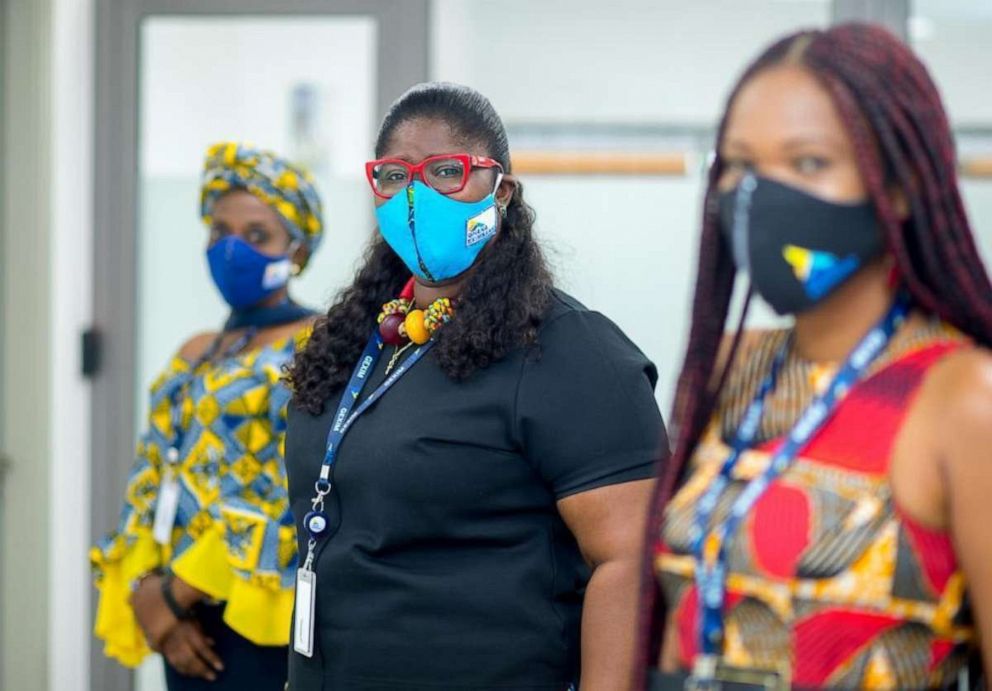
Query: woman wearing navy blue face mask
x=202, y=563
x=468, y=446
x=824, y=520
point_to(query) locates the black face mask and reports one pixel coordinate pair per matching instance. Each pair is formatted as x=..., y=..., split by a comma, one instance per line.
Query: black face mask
x=798, y=248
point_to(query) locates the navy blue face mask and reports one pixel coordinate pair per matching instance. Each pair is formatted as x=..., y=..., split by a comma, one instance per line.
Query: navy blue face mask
x=797, y=248
x=243, y=275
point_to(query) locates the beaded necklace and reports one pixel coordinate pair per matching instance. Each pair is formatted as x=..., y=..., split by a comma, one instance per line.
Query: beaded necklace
x=402, y=326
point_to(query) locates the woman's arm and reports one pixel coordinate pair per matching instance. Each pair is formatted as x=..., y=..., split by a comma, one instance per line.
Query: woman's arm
x=966, y=449
x=130, y=552
x=608, y=523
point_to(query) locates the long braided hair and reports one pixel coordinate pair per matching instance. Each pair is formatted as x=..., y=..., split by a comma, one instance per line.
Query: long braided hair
x=501, y=304
x=893, y=112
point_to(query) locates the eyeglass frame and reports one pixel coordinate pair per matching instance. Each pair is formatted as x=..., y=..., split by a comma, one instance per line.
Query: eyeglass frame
x=469, y=161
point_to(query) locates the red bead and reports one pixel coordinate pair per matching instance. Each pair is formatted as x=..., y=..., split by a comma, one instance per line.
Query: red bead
x=389, y=329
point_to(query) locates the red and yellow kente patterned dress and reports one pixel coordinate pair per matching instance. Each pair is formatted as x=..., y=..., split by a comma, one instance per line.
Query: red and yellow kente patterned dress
x=829, y=583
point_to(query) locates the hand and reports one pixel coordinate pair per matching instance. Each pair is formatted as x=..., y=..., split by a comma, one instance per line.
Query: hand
x=190, y=651
x=153, y=615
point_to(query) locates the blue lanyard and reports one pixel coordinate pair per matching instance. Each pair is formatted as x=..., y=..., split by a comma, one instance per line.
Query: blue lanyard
x=172, y=454
x=710, y=546
x=315, y=521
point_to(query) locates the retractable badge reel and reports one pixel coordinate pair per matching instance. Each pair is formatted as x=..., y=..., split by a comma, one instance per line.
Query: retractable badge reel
x=316, y=524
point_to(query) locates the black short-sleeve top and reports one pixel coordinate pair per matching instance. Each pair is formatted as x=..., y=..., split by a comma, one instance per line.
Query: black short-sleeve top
x=448, y=565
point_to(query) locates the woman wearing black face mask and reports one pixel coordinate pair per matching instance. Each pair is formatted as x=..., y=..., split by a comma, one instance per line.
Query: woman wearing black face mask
x=479, y=455
x=824, y=520
x=201, y=567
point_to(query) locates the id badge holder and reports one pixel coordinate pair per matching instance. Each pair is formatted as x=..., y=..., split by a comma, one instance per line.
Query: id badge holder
x=306, y=600
x=168, y=501
x=767, y=679
x=742, y=678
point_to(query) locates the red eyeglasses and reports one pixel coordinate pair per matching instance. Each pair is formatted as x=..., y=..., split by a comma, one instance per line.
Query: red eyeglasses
x=447, y=173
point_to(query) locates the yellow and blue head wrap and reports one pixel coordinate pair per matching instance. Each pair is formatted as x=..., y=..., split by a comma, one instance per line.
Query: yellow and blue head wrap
x=287, y=188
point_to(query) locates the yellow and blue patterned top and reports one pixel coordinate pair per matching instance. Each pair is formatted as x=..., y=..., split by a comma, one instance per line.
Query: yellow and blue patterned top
x=233, y=536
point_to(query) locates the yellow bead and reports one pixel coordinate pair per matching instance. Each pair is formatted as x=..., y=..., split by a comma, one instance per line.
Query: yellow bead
x=415, y=327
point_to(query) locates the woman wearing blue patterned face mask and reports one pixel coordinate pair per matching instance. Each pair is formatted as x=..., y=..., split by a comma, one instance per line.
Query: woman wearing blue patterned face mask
x=469, y=488
x=201, y=565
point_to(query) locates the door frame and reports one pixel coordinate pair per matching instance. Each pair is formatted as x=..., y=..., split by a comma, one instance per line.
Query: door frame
x=403, y=31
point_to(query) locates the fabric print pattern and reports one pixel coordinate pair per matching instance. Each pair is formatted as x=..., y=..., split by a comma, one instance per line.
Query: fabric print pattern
x=829, y=582
x=233, y=536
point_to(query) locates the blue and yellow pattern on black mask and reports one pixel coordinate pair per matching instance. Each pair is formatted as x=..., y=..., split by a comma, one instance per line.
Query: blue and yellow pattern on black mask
x=285, y=187
x=796, y=247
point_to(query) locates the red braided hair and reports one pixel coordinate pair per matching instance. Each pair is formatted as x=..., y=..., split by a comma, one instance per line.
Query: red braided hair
x=893, y=112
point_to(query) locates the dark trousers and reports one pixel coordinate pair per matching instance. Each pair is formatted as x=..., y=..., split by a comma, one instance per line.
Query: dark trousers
x=247, y=666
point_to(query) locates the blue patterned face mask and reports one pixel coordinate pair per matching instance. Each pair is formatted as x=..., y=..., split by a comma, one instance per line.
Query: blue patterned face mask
x=437, y=237
x=244, y=276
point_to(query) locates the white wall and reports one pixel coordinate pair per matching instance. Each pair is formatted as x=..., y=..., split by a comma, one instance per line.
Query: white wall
x=47, y=230
x=650, y=61
x=953, y=37
x=623, y=245
x=26, y=350
x=71, y=313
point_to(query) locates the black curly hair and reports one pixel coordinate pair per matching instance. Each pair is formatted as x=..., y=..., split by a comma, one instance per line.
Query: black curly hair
x=502, y=302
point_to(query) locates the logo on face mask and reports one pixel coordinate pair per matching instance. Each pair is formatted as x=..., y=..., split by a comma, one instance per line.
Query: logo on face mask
x=480, y=228
x=276, y=274
x=818, y=271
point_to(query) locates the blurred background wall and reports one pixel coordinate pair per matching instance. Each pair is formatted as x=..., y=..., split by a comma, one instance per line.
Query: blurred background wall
x=101, y=230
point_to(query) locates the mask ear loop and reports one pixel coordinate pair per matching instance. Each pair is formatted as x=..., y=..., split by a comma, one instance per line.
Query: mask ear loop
x=742, y=221
x=742, y=210
x=500, y=207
